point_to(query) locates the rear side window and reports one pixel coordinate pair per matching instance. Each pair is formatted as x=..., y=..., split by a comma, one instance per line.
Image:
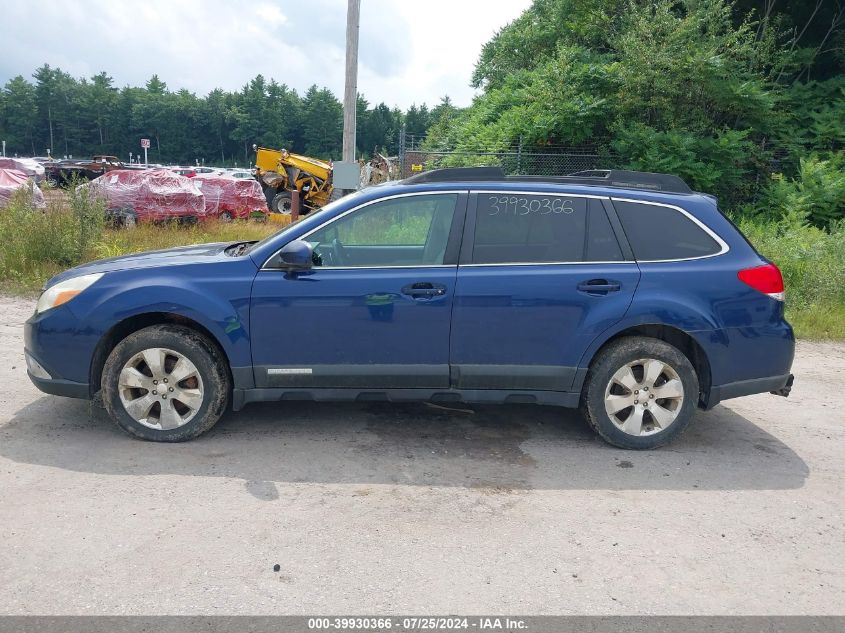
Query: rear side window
x=518, y=228
x=660, y=233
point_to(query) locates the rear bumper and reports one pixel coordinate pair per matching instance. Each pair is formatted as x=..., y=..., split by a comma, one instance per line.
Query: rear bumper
x=779, y=385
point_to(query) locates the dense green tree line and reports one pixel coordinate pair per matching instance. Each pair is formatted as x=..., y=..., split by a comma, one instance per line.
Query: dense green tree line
x=83, y=117
x=725, y=93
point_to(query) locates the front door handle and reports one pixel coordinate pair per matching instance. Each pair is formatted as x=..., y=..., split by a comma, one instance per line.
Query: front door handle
x=424, y=290
x=599, y=286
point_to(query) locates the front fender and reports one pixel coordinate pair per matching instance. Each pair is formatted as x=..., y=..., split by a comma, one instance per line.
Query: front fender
x=220, y=304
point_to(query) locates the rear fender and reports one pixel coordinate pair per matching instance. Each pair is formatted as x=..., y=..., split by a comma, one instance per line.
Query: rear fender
x=698, y=326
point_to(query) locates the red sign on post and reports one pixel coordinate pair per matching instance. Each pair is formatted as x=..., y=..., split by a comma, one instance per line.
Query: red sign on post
x=145, y=143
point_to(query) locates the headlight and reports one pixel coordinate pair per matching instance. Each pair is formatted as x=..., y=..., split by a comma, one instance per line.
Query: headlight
x=64, y=291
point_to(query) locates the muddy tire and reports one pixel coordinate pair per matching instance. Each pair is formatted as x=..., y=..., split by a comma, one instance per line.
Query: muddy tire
x=165, y=383
x=640, y=393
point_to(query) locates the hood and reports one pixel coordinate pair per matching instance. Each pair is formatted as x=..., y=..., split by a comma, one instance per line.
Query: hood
x=181, y=255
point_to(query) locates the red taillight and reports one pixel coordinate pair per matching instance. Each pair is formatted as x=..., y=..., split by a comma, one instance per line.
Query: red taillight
x=766, y=279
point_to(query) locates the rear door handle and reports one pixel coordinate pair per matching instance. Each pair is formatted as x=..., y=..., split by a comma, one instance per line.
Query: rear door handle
x=599, y=286
x=424, y=290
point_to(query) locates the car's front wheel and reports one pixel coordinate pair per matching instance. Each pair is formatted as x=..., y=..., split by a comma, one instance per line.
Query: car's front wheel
x=165, y=383
x=640, y=393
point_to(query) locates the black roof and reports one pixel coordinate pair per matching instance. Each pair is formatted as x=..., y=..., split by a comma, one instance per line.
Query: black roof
x=597, y=177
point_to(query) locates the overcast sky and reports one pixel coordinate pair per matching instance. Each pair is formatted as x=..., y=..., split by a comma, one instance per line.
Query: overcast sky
x=410, y=51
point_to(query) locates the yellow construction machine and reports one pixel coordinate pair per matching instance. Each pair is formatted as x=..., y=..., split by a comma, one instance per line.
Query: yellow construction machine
x=281, y=172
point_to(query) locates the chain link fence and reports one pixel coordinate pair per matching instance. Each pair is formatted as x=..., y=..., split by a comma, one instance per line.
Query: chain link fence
x=552, y=160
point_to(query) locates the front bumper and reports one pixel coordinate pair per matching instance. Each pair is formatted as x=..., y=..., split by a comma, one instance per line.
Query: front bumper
x=60, y=387
x=58, y=353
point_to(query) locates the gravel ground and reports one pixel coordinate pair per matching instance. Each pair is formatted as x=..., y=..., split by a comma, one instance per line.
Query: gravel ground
x=373, y=509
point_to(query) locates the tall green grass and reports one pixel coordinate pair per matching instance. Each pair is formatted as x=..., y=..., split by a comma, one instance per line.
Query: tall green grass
x=36, y=244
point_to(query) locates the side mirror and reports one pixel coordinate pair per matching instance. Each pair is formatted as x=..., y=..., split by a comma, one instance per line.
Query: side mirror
x=296, y=255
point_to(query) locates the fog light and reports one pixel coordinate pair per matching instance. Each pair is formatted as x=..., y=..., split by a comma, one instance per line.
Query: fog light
x=35, y=368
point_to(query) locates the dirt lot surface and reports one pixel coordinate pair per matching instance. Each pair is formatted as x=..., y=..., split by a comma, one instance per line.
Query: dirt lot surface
x=415, y=509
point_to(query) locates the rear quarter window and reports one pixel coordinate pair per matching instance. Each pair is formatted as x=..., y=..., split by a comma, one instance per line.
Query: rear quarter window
x=663, y=233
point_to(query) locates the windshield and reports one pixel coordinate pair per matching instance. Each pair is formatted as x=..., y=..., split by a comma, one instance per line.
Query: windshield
x=314, y=215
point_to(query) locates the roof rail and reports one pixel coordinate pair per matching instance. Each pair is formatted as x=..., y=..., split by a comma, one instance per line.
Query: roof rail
x=617, y=178
x=461, y=174
x=595, y=177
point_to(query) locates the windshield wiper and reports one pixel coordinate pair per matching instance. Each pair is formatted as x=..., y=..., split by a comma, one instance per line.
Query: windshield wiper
x=241, y=248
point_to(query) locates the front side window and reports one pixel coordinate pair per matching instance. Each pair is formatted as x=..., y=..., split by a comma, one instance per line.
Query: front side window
x=405, y=231
x=537, y=228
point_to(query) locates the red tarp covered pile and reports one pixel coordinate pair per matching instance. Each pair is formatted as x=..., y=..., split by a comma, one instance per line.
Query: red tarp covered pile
x=231, y=198
x=11, y=181
x=153, y=194
x=25, y=165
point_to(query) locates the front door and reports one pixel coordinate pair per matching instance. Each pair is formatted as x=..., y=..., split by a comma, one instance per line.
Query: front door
x=374, y=311
x=541, y=275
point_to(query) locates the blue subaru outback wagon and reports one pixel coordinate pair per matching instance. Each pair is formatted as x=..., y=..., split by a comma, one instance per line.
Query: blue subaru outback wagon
x=623, y=293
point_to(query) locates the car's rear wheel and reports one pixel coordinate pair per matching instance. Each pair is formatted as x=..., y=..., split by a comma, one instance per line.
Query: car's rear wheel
x=165, y=383
x=640, y=393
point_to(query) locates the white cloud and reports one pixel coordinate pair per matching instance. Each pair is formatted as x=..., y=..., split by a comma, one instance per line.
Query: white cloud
x=410, y=52
x=271, y=13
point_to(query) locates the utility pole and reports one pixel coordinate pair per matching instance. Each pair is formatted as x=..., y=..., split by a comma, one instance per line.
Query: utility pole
x=350, y=94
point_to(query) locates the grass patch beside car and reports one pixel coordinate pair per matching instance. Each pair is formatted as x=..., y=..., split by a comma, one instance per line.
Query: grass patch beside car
x=820, y=321
x=148, y=237
x=35, y=245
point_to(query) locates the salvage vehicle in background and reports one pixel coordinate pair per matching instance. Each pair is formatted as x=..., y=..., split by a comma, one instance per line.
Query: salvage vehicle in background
x=150, y=195
x=12, y=181
x=228, y=198
x=623, y=293
x=59, y=173
x=28, y=166
x=281, y=173
x=208, y=170
x=188, y=172
x=241, y=173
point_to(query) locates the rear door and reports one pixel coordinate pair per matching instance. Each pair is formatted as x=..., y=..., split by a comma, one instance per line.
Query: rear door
x=540, y=276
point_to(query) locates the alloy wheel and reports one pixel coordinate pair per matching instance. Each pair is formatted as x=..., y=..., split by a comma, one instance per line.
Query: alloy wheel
x=644, y=397
x=160, y=388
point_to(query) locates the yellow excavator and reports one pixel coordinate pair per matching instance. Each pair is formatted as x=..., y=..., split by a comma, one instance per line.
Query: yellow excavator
x=280, y=173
